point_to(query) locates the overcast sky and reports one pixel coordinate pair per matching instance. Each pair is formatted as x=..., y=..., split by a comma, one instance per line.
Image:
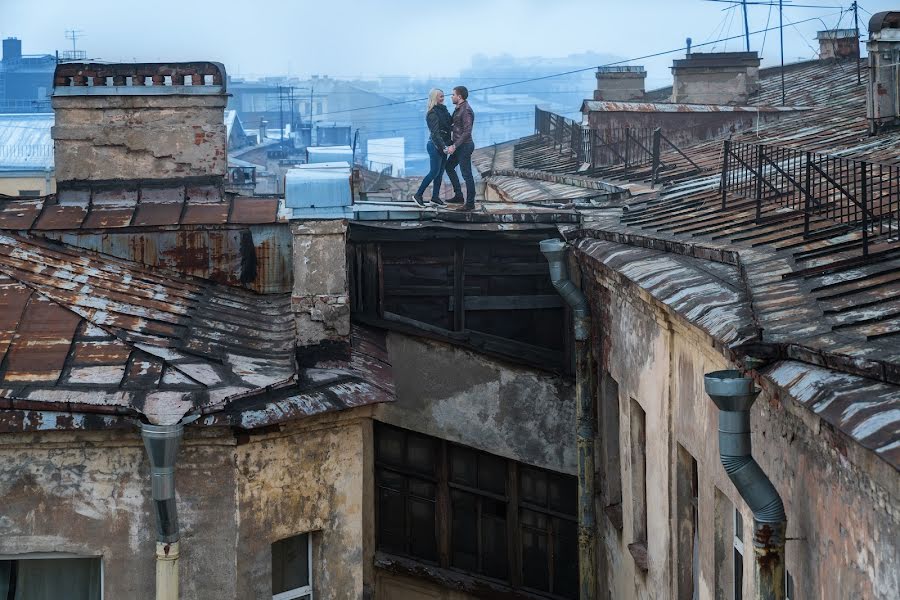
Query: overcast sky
x=368, y=37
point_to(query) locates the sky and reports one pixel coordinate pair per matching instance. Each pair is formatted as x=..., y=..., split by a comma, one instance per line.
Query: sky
x=366, y=38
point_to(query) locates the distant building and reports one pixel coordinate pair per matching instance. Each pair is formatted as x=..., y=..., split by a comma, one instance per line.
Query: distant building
x=26, y=155
x=25, y=80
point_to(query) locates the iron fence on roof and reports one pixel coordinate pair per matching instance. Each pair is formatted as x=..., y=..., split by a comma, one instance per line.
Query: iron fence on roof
x=627, y=148
x=849, y=192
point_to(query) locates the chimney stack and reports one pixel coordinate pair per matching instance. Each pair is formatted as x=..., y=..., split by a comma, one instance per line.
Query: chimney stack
x=883, y=96
x=130, y=125
x=838, y=44
x=716, y=78
x=620, y=84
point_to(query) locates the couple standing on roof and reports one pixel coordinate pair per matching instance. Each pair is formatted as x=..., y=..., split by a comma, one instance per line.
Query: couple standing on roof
x=449, y=144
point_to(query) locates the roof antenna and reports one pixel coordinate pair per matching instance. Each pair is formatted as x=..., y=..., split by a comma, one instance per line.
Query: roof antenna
x=687, y=42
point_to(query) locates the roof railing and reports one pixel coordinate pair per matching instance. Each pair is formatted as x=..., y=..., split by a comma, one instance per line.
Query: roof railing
x=855, y=193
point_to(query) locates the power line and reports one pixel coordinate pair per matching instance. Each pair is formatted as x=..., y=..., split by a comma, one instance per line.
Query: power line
x=582, y=70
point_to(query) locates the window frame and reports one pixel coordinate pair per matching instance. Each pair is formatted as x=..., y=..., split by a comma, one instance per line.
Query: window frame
x=443, y=516
x=306, y=590
x=737, y=576
x=58, y=556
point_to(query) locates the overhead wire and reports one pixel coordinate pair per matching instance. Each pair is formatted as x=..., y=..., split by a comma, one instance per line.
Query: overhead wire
x=573, y=71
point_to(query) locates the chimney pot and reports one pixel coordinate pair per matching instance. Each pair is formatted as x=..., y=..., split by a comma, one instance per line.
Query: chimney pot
x=882, y=95
x=620, y=84
x=838, y=44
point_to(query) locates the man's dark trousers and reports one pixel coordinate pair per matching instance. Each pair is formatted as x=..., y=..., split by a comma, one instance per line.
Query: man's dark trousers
x=462, y=157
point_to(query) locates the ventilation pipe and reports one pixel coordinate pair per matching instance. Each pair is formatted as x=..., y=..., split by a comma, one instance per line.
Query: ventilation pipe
x=734, y=394
x=555, y=252
x=162, y=442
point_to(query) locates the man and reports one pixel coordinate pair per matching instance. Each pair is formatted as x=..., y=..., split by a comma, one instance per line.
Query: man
x=460, y=151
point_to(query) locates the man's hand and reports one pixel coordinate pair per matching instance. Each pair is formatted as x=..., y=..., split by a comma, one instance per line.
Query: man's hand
x=451, y=149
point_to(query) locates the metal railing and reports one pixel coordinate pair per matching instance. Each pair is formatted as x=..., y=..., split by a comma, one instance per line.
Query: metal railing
x=857, y=193
x=627, y=148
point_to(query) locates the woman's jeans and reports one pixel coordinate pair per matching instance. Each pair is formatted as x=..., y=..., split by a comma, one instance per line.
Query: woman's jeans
x=435, y=173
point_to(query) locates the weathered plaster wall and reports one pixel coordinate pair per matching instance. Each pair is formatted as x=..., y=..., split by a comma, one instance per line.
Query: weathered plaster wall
x=461, y=396
x=620, y=87
x=279, y=499
x=841, y=501
x=137, y=137
x=89, y=493
x=320, y=299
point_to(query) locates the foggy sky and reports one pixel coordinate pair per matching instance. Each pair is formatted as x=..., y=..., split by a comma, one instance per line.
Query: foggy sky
x=368, y=38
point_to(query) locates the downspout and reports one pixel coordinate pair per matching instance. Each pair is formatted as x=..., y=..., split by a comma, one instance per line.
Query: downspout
x=161, y=443
x=555, y=252
x=734, y=394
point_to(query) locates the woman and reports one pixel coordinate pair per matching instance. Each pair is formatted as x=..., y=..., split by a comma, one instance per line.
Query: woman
x=438, y=120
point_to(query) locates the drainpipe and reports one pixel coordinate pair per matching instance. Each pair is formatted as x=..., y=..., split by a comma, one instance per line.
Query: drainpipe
x=734, y=394
x=161, y=443
x=555, y=252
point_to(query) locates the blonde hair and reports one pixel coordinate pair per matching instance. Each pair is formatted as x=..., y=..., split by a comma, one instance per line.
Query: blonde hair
x=432, y=98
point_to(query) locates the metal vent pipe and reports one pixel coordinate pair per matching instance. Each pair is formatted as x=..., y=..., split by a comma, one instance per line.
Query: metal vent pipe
x=555, y=252
x=162, y=443
x=734, y=394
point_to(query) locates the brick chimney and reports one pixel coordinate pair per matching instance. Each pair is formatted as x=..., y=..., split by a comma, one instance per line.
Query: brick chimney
x=715, y=78
x=620, y=84
x=838, y=44
x=130, y=125
x=883, y=98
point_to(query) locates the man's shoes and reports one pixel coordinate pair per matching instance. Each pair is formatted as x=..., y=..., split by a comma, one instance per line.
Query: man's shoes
x=418, y=200
x=438, y=202
x=468, y=206
x=457, y=199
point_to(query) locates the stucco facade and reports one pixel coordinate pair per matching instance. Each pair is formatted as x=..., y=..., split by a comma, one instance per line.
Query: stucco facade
x=88, y=493
x=841, y=500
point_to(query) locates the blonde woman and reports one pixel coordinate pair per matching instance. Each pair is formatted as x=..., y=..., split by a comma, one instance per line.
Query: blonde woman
x=439, y=125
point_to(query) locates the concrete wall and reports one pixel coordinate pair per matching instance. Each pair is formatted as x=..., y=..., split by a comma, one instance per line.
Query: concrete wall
x=139, y=137
x=464, y=397
x=397, y=587
x=620, y=87
x=89, y=493
x=841, y=501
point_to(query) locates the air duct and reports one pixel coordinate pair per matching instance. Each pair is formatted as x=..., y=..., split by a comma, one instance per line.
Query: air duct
x=161, y=443
x=734, y=394
x=555, y=252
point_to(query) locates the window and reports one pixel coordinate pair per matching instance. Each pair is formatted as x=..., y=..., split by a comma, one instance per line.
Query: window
x=788, y=586
x=687, y=532
x=738, y=553
x=723, y=546
x=47, y=577
x=611, y=478
x=292, y=568
x=467, y=510
x=29, y=192
x=638, y=547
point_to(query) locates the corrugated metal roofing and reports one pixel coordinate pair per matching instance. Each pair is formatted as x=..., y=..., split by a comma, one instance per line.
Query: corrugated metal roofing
x=25, y=142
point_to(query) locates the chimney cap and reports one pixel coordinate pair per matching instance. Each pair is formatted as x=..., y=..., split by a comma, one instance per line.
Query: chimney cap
x=888, y=19
x=84, y=79
x=837, y=34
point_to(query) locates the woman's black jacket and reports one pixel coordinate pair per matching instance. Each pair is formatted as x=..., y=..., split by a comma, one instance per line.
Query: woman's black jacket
x=439, y=126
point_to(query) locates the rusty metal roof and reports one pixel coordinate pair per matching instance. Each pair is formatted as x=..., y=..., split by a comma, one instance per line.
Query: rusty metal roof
x=86, y=334
x=127, y=210
x=824, y=319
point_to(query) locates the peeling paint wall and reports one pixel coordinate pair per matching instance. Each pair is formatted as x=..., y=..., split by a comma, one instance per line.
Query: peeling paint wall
x=134, y=137
x=89, y=493
x=320, y=299
x=841, y=501
x=523, y=414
